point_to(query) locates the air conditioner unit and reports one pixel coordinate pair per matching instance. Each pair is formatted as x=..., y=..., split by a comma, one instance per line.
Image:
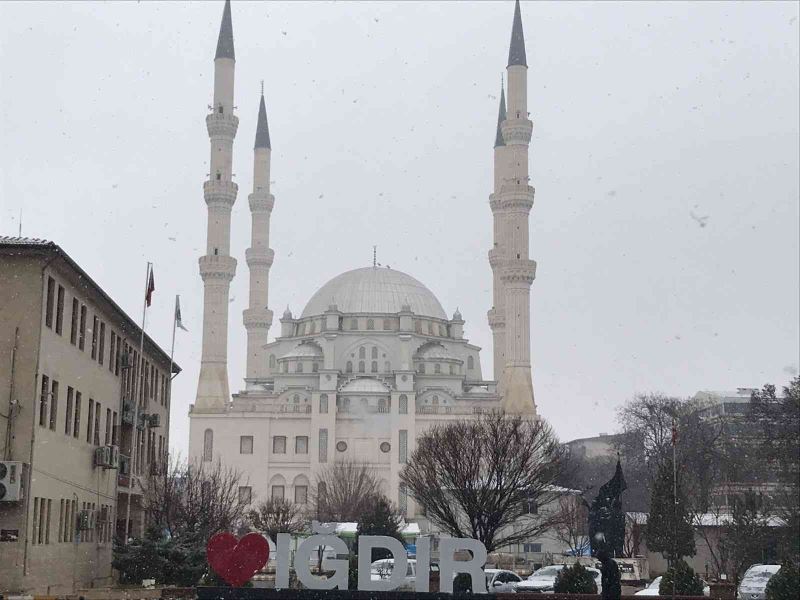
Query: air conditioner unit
x=83, y=520
x=102, y=457
x=12, y=481
x=155, y=420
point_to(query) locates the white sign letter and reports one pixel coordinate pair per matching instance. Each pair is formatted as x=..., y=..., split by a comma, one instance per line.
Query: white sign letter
x=282, y=561
x=473, y=567
x=398, y=575
x=303, y=569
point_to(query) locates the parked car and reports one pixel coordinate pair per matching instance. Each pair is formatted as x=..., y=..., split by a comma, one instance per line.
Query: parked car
x=498, y=580
x=754, y=583
x=652, y=588
x=382, y=569
x=544, y=579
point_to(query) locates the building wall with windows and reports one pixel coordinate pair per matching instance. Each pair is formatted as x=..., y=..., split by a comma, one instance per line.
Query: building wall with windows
x=68, y=395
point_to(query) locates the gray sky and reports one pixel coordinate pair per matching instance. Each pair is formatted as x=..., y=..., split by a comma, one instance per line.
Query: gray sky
x=382, y=118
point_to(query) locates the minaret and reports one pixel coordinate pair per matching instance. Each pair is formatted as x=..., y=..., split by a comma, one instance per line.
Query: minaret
x=514, y=202
x=257, y=317
x=496, y=314
x=217, y=267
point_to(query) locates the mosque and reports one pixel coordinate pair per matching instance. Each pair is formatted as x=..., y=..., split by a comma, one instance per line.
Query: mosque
x=373, y=359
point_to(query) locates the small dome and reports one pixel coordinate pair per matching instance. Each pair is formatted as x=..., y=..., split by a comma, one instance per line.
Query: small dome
x=435, y=352
x=287, y=314
x=457, y=316
x=304, y=351
x=365, y=385
x=374, y=290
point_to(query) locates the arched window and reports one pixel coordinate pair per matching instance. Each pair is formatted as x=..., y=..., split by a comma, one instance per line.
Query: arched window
x=208, y=445
x=296, y=399
x=442, y=331
x=387, y=324
x=349, y=367
x=435, y=400
x=323, y=404
x=285, y=367
x=315, y=367
x=301, y=329
x=370, y=324
x=430, y=327
x=374, y=352
x=470, y=363
x=271, y=361
x=362, y=352
x=353, y=323
x=361, y=368
x=382, y=405
x=312, y=327
x=437, y=368
x=387, y=367
x=374, y=366
x=418, y=326
x=299, y=368
x=403, y=405
x=452, y=369
x=422, y=368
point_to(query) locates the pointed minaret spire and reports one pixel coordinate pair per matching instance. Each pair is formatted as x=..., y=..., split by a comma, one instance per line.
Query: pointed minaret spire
x=262, y=127
x=516, y=51
x=225, y=41
x=501, y=116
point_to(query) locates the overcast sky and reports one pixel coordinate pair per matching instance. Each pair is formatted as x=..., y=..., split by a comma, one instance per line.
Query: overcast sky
x=650, y=120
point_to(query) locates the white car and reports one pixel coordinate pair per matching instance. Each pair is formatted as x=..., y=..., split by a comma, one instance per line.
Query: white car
x=382, y=569
x=544, y=579
x=498, y=580
x=652, y=588
x=754, y=583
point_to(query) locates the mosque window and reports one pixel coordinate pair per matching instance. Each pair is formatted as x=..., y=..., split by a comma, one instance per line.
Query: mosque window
x=219, y=176
x=422, y=368
x=296, y=399
x=353, y=323
x=299, y=368
x=341, y=446
x=301, y=329
x=403, y=450
x=418, y=326
x=312, y=327
x=374, y=352
x=370, y=324
x=301, y=444
x=323, y=457
x=349, y=367
x=452, y=369
x=285, y=367
x=323, y=404
x=430, y=328
x=470, y=363
x=403, y=404
x=361, y=367
x=442, y=331
x=278, y=492
x=300, y=494
x=374, y=366
x=387, y=324
x=208, y=445
x=362, y=352
x=382, y=408
x=271, y=361
x=385, y=447
x=435, y=400
x=245, y=444
x=315, y=367
x=437, y=368
x=387, y=367
x=220, y=109
x=279, y=444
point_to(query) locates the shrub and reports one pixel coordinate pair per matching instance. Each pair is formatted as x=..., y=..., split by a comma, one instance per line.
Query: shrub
x=462, y=584
x=575, y=579
x=785, y=584
x=687, y=583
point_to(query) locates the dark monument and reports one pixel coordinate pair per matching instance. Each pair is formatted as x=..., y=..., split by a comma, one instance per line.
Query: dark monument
x=606, y=519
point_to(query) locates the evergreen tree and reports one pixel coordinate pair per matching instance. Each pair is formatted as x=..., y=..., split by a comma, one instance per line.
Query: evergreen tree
x=684, y=579
x=379, y=519
x=575, y=579
x=669, y=528
x=785, y=584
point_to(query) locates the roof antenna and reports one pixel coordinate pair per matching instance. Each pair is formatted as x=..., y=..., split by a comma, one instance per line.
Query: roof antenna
x=374, y=256
x=262, y=87
x=20, y=222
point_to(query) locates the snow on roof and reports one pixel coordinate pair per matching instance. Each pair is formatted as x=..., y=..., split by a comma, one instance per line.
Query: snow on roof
x=705, y=519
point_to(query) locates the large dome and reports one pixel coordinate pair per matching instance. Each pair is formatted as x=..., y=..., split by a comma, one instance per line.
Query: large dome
x=374, y=290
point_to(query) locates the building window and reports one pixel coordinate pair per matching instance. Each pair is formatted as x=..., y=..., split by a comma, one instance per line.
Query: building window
x=76, y=427
x=370, y=324
x=51, y=294
x=403, y=439
x=323, y=445
x=315, y=367
x=301, y=444
x=422, y=368
x=245, y=444
x=112, y=343
x=374, y=353
x=341, y=446
x=362, y=352
x=96, y=436
x=245, y=494
x=279, y=444
x=94, y=336
x=43, y=401
x=403, y=404
x=82, y=330
x=531, y=506
x=437, y=368
x=114, y=429
x=349, y=367
x=418, y=326
x=271, y=361
x=300, y=494
x=387, y=324
x=107, y=438
x=312, y=327
x=53, y=405
x=60, y=310
x=101, y=348
x=531, y=548
x=470, y=363
x=323, y=404
x=73, y=332
x=285, y=367
x=299, y=368
x=208, y=445
x=430, y=328
x=68, y=419
x=278, y=492
x=361, y=368
x=90, y=422
x=435, y=400
x=353, y=324
x=374, y=366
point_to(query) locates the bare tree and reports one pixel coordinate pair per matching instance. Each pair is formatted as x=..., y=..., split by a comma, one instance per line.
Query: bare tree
x=485, y=478
x=277, y=515
x=343, y=491
x=572, y=528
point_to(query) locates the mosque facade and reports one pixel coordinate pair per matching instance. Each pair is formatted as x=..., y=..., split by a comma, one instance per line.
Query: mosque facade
x=373, y=359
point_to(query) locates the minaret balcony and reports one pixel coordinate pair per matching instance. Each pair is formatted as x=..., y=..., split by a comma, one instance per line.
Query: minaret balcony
x=217, y=267
x=220, y=194
x=520, y=271
x=261, y=202
x=259, y=257
x=495, y=257
x=516, y=196
x=497, y=319
x=517, y=131
x=222, y=125
x=257, y=318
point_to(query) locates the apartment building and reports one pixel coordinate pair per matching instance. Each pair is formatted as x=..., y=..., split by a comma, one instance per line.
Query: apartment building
x=71, y=375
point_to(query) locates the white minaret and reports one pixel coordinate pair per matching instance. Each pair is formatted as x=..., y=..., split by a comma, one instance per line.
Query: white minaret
x=217, y=267
x=257, y=317
x=509, y=257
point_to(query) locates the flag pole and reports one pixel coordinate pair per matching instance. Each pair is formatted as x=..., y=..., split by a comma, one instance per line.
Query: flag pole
x=172, y=361
x=137, y=390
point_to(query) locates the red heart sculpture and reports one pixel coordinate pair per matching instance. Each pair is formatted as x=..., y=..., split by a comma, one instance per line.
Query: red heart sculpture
x=236, y=561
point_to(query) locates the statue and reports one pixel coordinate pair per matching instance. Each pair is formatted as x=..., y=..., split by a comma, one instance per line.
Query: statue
x=606, y=519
